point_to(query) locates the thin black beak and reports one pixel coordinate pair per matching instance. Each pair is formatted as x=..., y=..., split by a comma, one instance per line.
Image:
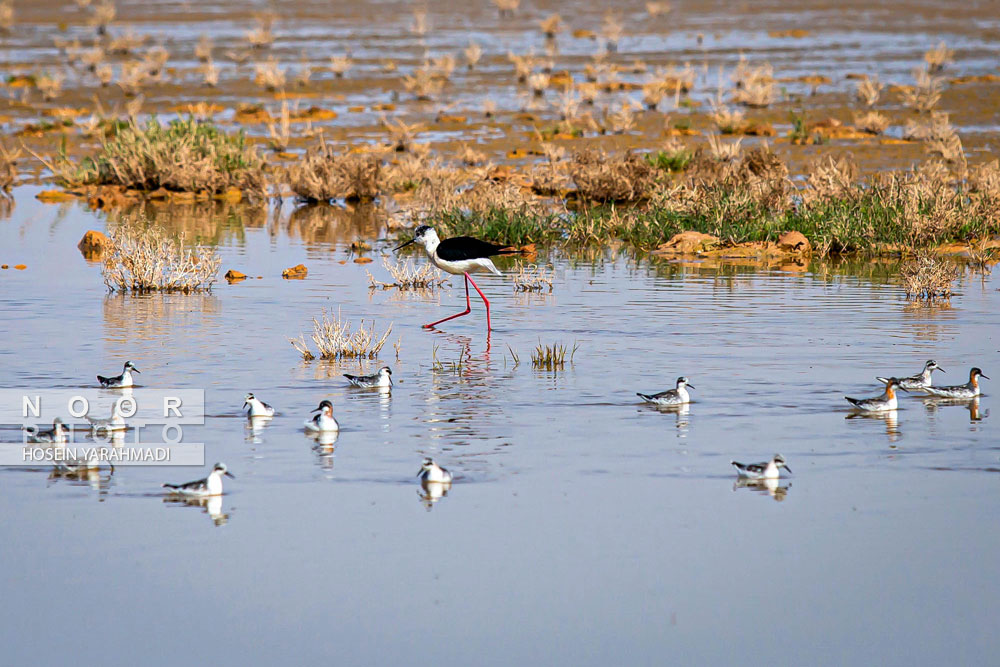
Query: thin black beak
x=984, y=376
x=786, y=467
x=690, y=385
x=245, y=404
x=941, y=369
x=404, y=245
x=229, y=475
x=316, y=409
x=136, y=369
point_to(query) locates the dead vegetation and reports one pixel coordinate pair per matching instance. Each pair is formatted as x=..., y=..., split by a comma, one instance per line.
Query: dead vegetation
x=927, y=277
x=531, y=278
x=601, y=178
x=335, y=339
x=406, y=276
x=142, y=258
x=324, y=174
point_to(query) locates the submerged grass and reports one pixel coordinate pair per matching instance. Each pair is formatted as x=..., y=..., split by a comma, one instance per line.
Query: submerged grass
x=335, y=339
x=142, y=258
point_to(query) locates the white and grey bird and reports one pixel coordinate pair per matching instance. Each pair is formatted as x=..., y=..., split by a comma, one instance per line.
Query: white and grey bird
x=431, y=472
x=116, y=422
x=382, y=379
x=208, y=486
x=460, y=256
x=677, y=396
x=763, y=470
x=960, y=391
x=324, y=420
x=119, y=381
x=258, y=408
x=884, y=403
x=59, y=433
x=917, y=382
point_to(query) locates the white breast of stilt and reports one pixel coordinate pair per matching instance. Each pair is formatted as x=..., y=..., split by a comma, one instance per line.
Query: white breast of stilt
x=465, y=265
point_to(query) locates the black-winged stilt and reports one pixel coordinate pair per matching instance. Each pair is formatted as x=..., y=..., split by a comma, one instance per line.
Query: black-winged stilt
x=460, y=255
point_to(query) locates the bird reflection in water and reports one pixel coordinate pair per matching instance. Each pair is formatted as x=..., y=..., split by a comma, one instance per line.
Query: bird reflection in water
x=890, y=417
x=681, y=413
x=254, y=427
x=324, y=445
x=765, y=487
x=91, y=476
x=431, y=492
x=212, y=506
x=933, y=403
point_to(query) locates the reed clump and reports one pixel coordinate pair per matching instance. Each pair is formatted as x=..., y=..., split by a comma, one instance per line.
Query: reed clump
x=552, y=357
x=8, y=168
x=323, y=174
x=335, y=338
x=141, y=258
x=927, y=277
x=184, y=155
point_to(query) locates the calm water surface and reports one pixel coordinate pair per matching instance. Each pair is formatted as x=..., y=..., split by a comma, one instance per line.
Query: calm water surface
x=583, y=527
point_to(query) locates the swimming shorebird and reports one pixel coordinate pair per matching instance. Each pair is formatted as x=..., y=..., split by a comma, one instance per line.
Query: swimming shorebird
x=968, y=390
x=883, y=403
x=116, y=422
x=763, y=470
x=460, y=255
x=433, y=473
x=118, y=381
x=258, y=408
x=380, y=380
x=208, y=486
x=917, y=382
x=678, y=396
x=57, y=434
x=324, y=420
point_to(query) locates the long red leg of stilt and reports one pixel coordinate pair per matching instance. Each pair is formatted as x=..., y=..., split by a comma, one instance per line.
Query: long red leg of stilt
x=485, y=300
x=468, y=306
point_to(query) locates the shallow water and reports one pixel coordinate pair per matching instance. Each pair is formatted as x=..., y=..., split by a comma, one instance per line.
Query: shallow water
x=583, y=526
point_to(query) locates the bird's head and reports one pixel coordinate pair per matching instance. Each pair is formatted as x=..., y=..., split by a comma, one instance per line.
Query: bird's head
x=221, y=469
x=683, y=382
x=425, y=236
x=779, y=461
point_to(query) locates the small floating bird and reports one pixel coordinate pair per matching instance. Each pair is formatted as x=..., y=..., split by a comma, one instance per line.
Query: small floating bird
x=460, y=255
x=763, y=470
x=917, y=382
x=119, y=381
x=883, y=403
x=258, y=408
x=431, y=472
x=380, y=380
x=969, y=390
x=678, y=396
x=116, y=422
x=324, y=420
x=209, y=486
x=57, y=434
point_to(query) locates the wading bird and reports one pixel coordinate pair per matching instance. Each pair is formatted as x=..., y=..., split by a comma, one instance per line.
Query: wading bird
x=917, y=382
x=763, y=470
x=460, y=255
x=960, y=391
x=118, y=381
x=209, y=486
x=885, y=402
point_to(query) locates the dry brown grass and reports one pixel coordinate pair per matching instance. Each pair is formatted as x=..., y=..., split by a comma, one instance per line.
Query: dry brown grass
x=871, y=122
x=334, y=339
x=142, y=258
x=927, y=277
x=620, y=178
x=938, y=57
x=340, y=64
x=728, y=121
x=323, y=174
x=868, y=91
x=923, y=96
x=8, y=168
